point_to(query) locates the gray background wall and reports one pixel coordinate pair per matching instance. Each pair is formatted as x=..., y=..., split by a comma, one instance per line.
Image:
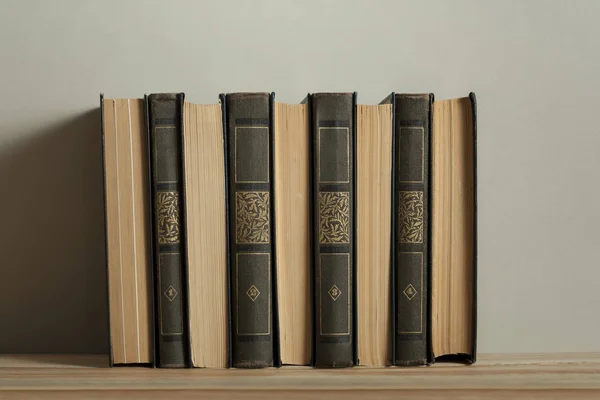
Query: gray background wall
x=535, y=66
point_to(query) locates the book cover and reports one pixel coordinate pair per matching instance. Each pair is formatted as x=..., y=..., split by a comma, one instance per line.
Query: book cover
x=411, y=263
x=251, y=192
x=334, y=210
x=168, y=228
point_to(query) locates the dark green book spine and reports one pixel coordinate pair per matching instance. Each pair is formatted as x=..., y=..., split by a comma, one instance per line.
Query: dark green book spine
x=334, y=138
x=251, y=232
x=165, y=133
x=411, y=255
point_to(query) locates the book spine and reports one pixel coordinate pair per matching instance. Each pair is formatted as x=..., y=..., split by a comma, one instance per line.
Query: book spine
x=412, y=133
x=251, y=233
x=165, y=138
x=105, y=209
x=473, y=99
x=333, y=139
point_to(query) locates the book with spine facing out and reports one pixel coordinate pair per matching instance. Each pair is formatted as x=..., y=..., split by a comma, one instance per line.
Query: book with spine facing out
x=411, y=261
x=252, y=258
x=333, y=122
x=165, y=127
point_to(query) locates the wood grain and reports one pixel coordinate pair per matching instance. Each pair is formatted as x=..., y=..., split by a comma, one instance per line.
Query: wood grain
x=292, y=169
x=206, y=234
x=522, y=376
x=374, y=219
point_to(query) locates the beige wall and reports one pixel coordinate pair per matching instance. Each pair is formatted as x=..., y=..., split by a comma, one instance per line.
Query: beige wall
x=535, y=66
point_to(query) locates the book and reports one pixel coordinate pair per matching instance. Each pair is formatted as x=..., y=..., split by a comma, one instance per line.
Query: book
x=168, y=228
x=252, y=234
x=454, y=229
x=293, y=205
x=206, y=228
x=373, y=233
x=334, y=250
x=127, y=228
x=251, y=198
x=411, y=229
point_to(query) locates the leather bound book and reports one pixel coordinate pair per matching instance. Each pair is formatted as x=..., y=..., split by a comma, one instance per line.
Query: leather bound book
x=249, y=132
x=411, y=227
x=169, y=258
x=334, y=254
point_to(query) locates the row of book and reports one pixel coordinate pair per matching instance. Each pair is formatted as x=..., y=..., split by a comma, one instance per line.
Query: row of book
x=253, y=233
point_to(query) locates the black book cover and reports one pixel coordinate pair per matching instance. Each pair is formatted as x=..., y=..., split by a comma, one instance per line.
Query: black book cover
x=251, y=216
x=165, y=130
x=411, y=260
x=110, y=347
x=471, y=358
x=333, y=126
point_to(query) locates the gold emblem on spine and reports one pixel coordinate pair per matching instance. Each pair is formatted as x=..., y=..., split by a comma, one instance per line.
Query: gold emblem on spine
x=334, y=292
x=252, y=217
x=410, y=292
x=334, y=217
x=167, y=211
x=253, y=293
x=410, y=217
x=171, y=293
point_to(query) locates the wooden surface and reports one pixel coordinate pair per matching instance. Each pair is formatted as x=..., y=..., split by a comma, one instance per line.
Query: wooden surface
x=530, y=376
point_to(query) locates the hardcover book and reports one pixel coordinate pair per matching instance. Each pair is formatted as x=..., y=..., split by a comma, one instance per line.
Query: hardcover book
x=251, y=198
x=373, y=233
x=411, y=227
x=127, y=228
x=206, y=228
x=165, y=116
x=293, y=205
x=334, y=228
x=454, y=229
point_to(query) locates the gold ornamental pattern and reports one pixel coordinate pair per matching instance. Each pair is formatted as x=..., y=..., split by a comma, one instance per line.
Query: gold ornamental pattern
x=334, y=217
x=410, y=217
x=167, y=211
x=252, y=216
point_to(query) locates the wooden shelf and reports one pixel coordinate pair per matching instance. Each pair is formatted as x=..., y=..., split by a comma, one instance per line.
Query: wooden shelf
x=539, y=376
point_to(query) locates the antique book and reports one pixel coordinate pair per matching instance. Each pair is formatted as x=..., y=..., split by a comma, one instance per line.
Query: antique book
x=373, y=233
x=410, y=231
x=127, y=223
x=251, y=198
x=334, y=229
x=293, y=204
x=454, y=229
x=165, y=116
x=206, y=228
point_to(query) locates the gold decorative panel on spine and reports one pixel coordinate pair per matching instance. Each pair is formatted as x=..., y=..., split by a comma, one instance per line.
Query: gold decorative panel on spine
x=167, y=211
x=410, y=217
x=252, y=217
x=334, y=217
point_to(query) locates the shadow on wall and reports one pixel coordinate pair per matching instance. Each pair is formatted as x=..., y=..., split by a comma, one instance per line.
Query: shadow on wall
x=53, y=278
